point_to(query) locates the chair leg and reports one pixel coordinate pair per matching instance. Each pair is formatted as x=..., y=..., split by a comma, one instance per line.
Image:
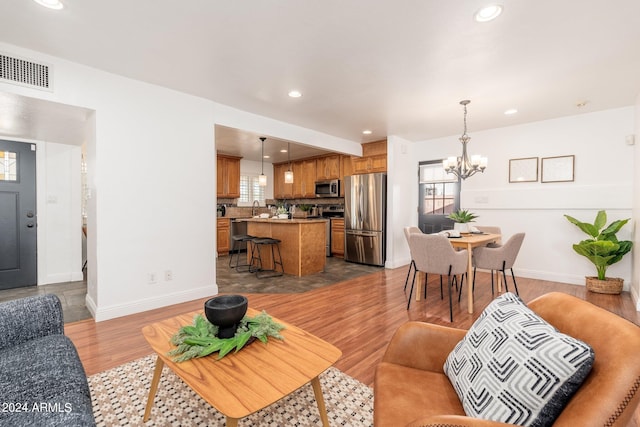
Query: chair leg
x=424, y=291
x=450, y=303
x=515, y=285
x=492, y=273
x=441, y=296
x=413, y=281
x=504, y=278
x=406, y=281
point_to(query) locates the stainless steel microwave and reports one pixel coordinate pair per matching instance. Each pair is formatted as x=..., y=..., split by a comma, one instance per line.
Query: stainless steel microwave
x=329, y=188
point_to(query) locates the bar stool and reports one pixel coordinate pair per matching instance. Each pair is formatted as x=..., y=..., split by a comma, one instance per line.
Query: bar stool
x=256, y=257
x=236, y=240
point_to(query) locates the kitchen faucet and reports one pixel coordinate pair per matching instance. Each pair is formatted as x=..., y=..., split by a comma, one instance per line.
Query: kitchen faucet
x=254, y=208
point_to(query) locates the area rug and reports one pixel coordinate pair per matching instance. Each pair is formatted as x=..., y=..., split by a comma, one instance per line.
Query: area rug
x=120, y=394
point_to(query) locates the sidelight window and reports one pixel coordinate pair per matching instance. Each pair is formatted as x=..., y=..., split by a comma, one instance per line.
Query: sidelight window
x=8, y=166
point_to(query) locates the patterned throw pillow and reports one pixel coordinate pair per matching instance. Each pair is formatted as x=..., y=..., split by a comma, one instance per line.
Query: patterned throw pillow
x=513, y=367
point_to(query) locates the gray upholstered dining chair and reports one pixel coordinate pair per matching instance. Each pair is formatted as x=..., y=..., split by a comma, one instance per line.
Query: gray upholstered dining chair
x=407, y=232
x=491, y=229
x=499, y=258
x=433, y=253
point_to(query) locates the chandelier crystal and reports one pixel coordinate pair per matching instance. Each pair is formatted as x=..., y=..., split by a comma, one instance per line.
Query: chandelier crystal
x=464, y=167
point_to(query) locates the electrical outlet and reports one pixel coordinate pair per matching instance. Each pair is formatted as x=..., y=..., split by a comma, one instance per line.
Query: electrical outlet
x=152, y=278
x=168, y=275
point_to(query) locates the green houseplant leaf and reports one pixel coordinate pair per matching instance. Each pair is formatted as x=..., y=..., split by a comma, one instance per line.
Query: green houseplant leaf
x=462, y=216
x=603, y=248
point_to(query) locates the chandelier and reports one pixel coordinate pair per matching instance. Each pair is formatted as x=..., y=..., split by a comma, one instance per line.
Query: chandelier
x=463, y=167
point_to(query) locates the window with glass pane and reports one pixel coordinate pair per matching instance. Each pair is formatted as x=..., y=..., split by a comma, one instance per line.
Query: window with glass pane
x=8, y=166
x=439, y=190
x=250, y=190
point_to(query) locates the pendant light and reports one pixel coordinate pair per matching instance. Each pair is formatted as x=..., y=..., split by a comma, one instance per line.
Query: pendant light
x=288, y=175
x=463, y=167
x=262, y=179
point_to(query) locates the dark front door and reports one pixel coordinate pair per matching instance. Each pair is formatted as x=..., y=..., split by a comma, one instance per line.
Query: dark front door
x=18, y=221
x=439, y=195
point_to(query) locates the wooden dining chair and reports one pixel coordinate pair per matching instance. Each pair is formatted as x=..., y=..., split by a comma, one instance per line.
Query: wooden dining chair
x=412, y=265
x=433, y=253
x=499, y=258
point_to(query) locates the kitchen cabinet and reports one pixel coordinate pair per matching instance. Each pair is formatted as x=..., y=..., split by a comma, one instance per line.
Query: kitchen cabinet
x=223, y=233
x=374, y=158
x=337, y=237
x=345, y=170
x=328, y=167
x=228, y=176
x=281, y=190
x=302, y=246
x=304, y=178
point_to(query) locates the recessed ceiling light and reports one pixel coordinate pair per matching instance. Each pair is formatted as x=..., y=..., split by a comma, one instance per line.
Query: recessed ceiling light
x=366, y=132
x=488, y=13
x=283, y=150
x=295, y=94
x=266, y=156
x=582, y=104
x=510, y=111
x=51, y=4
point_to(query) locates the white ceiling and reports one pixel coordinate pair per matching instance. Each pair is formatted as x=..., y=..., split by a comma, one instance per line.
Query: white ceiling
x=395, y=67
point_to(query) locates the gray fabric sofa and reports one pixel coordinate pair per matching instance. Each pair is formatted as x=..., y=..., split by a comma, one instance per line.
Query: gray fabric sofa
x=42, y=381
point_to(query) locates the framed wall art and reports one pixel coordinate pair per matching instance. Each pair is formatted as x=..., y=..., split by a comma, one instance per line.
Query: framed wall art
x=523, y=170
x=557, y=169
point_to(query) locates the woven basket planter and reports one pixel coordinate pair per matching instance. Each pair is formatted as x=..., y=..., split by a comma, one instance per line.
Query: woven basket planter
x=610, y=285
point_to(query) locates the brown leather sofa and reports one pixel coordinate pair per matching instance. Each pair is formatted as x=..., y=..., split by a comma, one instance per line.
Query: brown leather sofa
x=412, y=389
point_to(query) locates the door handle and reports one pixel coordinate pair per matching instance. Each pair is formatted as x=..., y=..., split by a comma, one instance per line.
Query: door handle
x=30, y=225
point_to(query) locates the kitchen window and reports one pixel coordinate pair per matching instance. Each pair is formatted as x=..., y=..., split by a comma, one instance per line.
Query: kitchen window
x=250, y=190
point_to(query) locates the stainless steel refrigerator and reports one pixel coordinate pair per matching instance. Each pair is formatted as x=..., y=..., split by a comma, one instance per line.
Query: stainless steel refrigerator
x=365, y=217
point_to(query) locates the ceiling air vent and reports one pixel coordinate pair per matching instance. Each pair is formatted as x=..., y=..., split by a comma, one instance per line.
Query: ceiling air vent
x=23, y=72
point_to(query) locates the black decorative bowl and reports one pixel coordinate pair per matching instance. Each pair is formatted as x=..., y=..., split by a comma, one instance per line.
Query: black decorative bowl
x=226, y=312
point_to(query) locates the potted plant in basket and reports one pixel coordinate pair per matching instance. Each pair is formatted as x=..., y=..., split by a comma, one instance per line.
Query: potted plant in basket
x=462, y=218
x=603, y=249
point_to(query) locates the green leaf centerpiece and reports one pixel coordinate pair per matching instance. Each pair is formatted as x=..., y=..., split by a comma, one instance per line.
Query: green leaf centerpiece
x=200, y=339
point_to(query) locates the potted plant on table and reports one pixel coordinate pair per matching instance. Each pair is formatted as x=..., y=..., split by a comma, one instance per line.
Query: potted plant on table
x=603, y=249
x=462, y=218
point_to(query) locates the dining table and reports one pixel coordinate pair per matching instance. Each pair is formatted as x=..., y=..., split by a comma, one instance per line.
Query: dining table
x=467, y=241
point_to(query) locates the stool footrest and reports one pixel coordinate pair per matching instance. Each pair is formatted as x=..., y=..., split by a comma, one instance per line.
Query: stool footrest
x=255, y=265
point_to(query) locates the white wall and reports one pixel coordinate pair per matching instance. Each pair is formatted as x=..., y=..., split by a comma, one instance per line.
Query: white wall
x=60, y=216
x=152, y=176
x=402, y=196
x=604, y=175
x=635, y=288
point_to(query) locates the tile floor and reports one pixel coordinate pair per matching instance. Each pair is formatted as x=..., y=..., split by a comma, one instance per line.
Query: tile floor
x=336, y=270
x=72, y=294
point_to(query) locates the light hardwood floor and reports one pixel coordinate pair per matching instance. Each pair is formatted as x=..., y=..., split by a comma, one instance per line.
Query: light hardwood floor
x=358, y=316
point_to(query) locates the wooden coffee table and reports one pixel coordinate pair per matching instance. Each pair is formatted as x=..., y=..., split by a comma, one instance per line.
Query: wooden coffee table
x=252, y=379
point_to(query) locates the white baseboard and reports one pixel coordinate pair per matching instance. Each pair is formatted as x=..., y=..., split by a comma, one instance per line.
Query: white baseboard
x=395, y=263
x=112, y=312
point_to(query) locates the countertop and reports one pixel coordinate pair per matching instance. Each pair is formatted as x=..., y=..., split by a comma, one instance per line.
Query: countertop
x=284, y=221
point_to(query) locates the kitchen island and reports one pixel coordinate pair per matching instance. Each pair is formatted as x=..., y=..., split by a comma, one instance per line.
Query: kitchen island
x=302, y=246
